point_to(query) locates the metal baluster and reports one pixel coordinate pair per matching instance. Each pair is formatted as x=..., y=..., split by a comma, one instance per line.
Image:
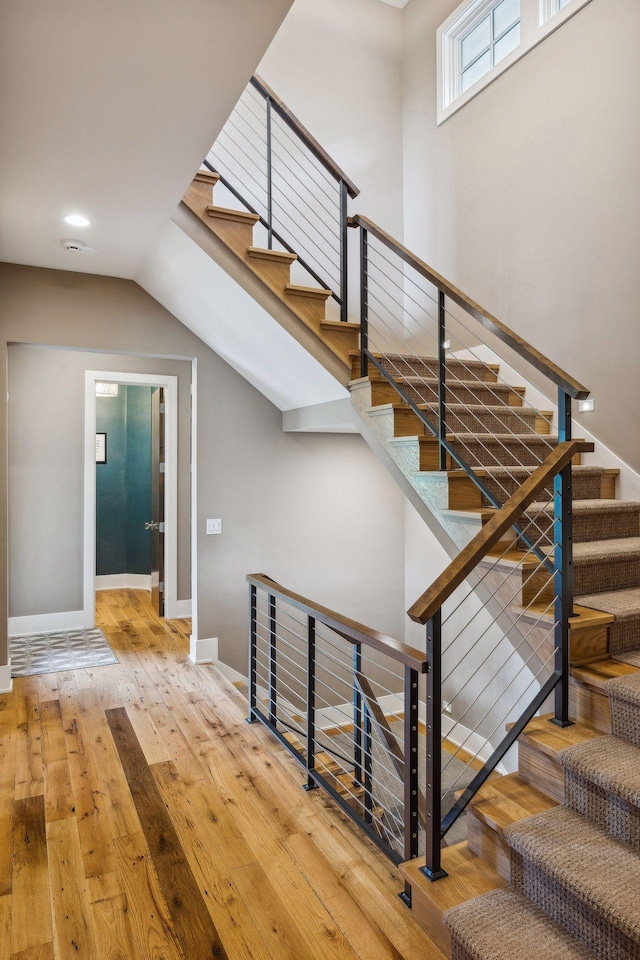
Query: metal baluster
x=273, y=694
x=344, y=245
x=368, y=767
x=364, y=306
x=563, y=573
x=269, y=180
x=410, y=772
x=357, y=715
x=311, y=702
x=432, y=868
x=253, y=604
x=442, y=372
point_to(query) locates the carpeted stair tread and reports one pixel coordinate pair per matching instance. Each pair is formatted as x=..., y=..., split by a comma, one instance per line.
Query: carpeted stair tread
x=608, y=762
x=599, y=871
x=605, y=550
x=503, y=925
x=624, y=634
x=624, y=699
x=594, y=507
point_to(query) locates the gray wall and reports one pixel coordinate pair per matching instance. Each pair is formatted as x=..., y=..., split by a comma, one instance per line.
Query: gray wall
x=46, y=479
x=528, y=198
x=318, y=513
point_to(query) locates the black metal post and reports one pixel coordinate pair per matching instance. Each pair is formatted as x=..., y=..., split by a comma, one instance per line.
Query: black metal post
x=344, y=253
x=368, y=768
x=253, y=659
x=269, y=180
x=311, y=702
x=442, y=373
x=273, y=693
x=563, y=567
x=357, y=715
x=433, y=868
x=410, y=772
x=364, y=305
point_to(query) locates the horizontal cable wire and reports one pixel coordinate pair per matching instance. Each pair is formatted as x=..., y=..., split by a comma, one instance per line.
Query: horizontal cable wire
x=245, y=156
x=278, y=126
x=458, y=722
x=501, y=722
x=335, y=213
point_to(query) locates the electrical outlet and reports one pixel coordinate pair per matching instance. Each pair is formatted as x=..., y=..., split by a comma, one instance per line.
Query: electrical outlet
x=214, y=526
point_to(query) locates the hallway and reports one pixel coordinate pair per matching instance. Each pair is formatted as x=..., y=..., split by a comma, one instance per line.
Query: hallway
x=147, y=820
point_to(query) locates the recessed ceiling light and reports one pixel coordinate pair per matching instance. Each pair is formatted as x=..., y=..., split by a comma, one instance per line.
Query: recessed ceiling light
x=77, y=220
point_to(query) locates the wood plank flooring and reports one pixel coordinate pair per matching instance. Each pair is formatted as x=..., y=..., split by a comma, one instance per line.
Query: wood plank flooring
x=143, y=819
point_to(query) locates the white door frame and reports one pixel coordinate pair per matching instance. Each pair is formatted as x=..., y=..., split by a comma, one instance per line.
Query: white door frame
x=172, y=607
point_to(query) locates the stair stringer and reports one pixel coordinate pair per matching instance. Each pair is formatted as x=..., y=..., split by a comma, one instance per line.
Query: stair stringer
x=215, y=248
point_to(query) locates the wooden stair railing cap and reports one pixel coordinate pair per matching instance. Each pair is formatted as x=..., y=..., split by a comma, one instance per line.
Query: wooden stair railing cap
x=475, y=551
x=538, y=360
x=349, y=630
x=316, y=149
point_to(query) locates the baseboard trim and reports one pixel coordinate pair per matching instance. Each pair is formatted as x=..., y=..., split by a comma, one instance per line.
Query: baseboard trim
x=51, y=622
x=232, y=675
x=206, y=651
x=6, y=683
x=181, y=610
x=203, y=651
x=124, y=581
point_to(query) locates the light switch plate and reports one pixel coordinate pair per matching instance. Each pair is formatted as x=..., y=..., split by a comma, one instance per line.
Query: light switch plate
x=214, y=526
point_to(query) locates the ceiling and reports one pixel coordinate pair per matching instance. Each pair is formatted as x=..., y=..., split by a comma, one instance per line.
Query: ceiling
x=107, y=108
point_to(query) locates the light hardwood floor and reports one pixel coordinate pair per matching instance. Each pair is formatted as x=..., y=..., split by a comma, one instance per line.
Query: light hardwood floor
x=143, y=819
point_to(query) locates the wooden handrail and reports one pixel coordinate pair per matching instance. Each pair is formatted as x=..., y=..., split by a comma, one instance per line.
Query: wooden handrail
x=558, y=376
x=349, y=630
x=509, y=514
x=292, y=121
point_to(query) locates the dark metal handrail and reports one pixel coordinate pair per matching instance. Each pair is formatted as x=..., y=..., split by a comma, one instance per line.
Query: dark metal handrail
x=559, y=377
x=349, y=630
x=279, y=203
x=307, y=138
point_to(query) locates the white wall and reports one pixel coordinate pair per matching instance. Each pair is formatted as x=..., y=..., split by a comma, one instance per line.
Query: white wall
x=337, y=64
x=528, y=198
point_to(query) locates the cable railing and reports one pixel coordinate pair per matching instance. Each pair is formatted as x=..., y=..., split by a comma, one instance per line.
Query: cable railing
x=363, y=713
x=344, y=700
x=274, y=167
x=400, y=740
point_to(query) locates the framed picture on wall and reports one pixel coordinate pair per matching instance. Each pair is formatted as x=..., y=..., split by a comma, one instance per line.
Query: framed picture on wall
x=101, y=448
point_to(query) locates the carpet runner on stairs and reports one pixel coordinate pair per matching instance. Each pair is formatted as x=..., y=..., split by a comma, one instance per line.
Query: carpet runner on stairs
x=575, y=869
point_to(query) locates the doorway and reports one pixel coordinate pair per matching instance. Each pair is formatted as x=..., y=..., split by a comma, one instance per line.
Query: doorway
x=160, y=525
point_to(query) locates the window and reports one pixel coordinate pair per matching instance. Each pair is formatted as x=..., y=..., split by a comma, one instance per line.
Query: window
x=489, y=42
x=482, y=38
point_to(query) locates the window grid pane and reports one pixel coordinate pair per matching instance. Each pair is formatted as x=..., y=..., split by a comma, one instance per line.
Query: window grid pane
x=476, y=42
x=506, y=44
x=476, y=70
x=505, y=15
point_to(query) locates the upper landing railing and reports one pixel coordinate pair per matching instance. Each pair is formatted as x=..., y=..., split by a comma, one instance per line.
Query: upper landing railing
x=271, y=163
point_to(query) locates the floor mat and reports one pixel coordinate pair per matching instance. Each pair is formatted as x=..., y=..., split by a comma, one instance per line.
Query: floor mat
x=40, y=653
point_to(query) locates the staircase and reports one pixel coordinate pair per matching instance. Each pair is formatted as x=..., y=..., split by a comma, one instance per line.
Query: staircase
x=553, y=848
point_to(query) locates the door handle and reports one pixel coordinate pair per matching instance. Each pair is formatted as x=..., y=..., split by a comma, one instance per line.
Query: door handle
x=152, y=525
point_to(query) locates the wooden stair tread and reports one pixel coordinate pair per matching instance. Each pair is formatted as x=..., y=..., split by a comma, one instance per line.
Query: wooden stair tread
x=313, y=292
x=207, y=176
x=469, y=876
x=582, y=618
x=227, y=213
x=280, y=256
x=597, y=674
x=506, y=800
x=340, y=325
x=550, y=739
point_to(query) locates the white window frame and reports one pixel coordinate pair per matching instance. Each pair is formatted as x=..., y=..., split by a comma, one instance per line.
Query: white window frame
x=538, y=19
